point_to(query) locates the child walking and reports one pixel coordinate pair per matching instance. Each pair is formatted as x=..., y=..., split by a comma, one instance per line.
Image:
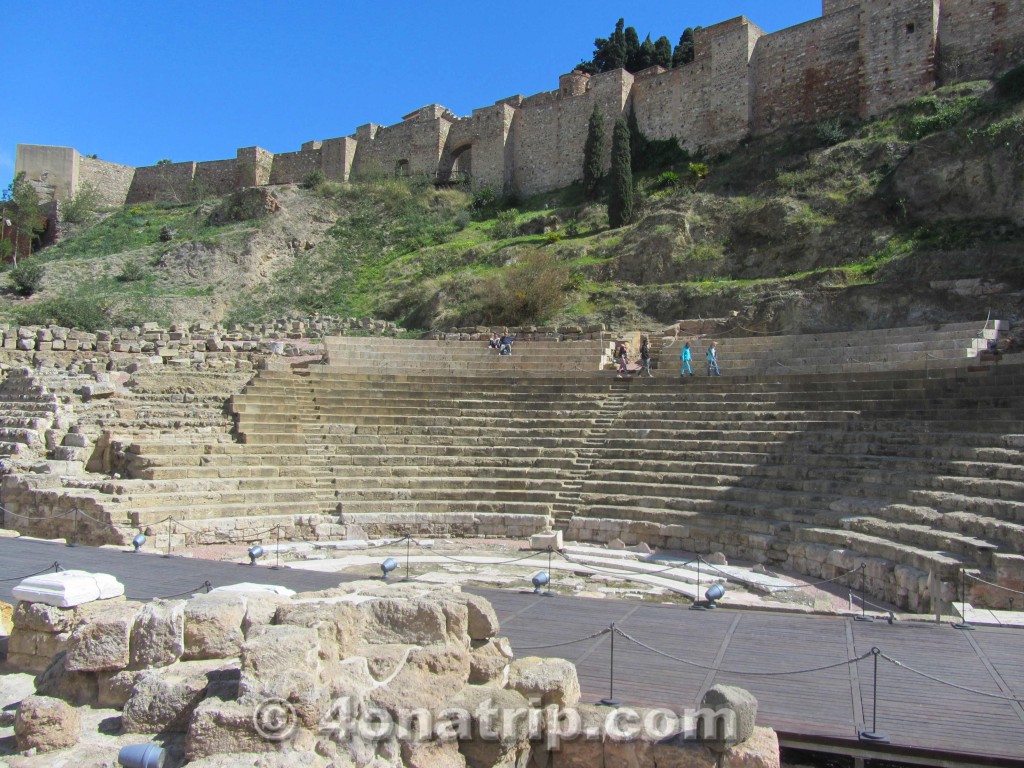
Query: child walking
x=685, y=356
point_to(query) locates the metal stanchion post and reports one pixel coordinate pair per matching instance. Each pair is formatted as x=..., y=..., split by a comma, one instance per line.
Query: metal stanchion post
x=863, y=603
x=74, y=534
x=277, y=564
x=874, y=734
x=611, y=701
x=963, y=623
x=408, y=549
x=550, y=552
x=170, y=530
x=696, y=601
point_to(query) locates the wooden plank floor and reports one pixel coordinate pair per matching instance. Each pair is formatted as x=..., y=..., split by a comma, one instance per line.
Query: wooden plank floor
x=724, y=646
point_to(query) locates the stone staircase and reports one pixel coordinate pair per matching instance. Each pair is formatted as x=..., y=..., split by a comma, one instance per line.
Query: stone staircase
x=911, y=474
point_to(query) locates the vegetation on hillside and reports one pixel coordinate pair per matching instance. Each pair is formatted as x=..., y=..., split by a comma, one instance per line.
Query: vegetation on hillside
x=805, y=227
x=622, y=49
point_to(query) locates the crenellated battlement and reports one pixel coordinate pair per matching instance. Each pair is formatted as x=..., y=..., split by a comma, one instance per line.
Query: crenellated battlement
x=859, y=59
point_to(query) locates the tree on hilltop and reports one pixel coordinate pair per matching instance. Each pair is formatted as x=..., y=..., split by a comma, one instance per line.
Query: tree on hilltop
x=623, y=50
x=685, y=52
x=593, y=155
x=620, y=178
x=25, y=214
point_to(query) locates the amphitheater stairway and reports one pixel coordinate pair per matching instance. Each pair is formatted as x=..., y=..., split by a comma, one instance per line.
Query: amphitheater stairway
x=914, y=472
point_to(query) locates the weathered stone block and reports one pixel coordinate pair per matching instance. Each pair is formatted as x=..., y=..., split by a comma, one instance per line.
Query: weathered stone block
x=102, y=643
x=740, y=703
x=552, y=681
x=213, y=626
x=46, y=724
x=158, y=637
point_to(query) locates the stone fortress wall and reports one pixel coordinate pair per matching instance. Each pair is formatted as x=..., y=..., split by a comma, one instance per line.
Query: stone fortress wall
x=859, y=59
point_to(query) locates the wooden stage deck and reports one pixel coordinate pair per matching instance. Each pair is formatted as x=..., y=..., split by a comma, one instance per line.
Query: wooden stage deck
x=925, y=720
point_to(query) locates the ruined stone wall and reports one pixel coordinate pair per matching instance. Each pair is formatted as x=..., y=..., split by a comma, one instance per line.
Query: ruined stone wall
x=979, y=38
x=293, y=167
x=897, y=45
x=549, y=130
x=824, y=82
x=162, y=182
x=252, y=166
x=411, y=147
x=336, y=157
x=217, y=177
x=862, y=57
x=110, y=180
x=53, y=171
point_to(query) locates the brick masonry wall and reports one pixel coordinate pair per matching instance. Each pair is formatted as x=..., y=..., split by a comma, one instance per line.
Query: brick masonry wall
x=862, y=57
x=293, y=167
x=979, y=38
x=217, y=177
x=162, y=182
x=897, y=45
x=822, y=80
x=110, y=180
x=252, y=166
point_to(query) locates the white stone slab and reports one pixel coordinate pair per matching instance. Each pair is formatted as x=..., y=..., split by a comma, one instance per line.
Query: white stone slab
x=247, y=586
x=66, y=589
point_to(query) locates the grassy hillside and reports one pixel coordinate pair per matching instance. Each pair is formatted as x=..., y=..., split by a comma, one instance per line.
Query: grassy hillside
x=917, y=216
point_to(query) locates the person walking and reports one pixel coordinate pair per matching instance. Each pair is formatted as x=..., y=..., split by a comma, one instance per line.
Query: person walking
x=685, y=357
x=645, y=355
x=713, y=359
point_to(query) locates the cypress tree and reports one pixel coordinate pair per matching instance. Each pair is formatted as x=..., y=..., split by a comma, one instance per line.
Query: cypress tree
x=593, y=155
x=663, y=52
x=620, y=178
x=685, y=51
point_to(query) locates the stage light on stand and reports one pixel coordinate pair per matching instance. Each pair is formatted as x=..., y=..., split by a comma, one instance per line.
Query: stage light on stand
x=716, y=592
x=387, y=567
x=255, y=553
x=138, y=541
x=540, y=579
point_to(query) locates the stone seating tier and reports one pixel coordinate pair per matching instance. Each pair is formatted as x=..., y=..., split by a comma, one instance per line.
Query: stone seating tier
x=917, y=471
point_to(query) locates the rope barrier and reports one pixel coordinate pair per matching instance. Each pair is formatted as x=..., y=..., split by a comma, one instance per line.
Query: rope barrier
x=599, y=633
x=934, y=679
x=626, y=575
x=992, y=584
x=36, y=517
x=205, y=585
x=472, y=562
x=749, y=673
x=779, y=590
x=55, y=565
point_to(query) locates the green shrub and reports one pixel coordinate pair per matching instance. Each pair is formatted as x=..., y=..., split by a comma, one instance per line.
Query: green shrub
x=667, y=180
x=505, y=225
x=132, y=271
x=1011, y=84
x=485, y=203
x=28, y=277
x=314, y=179
x=81, y=206
x=945, y=116
x=830, y=132
x=531, y=291
x=84, y=314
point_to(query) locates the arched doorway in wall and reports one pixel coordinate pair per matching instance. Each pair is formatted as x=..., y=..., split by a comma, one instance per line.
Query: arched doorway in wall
x=457, y=166
x=402, y=169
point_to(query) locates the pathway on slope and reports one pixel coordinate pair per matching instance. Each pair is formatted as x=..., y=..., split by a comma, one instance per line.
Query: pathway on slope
x=825, y=707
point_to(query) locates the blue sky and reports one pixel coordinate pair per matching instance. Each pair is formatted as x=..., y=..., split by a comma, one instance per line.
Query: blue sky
x=135, y=82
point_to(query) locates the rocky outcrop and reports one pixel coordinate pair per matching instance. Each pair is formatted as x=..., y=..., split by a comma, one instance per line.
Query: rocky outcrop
x=393, y=676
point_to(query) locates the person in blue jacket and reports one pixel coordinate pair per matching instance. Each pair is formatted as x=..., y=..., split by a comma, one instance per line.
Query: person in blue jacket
x=685, y=356
x=713, y=359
